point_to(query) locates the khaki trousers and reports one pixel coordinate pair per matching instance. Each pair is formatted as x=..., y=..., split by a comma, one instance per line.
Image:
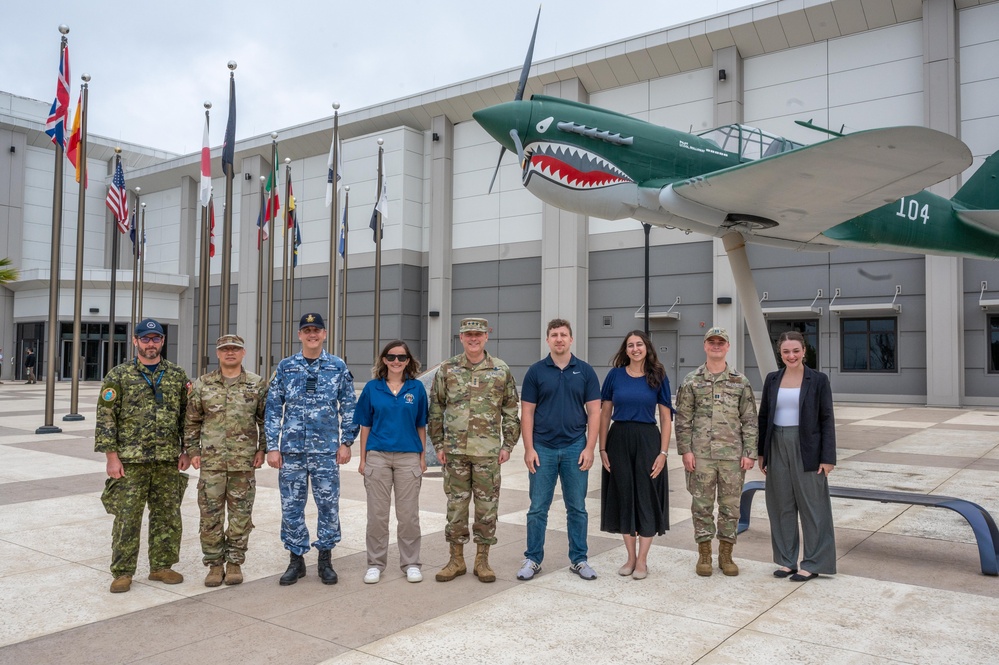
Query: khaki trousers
x=384, y=473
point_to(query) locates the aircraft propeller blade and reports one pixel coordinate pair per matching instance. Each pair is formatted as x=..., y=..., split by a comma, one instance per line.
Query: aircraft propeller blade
x=496, y=172
x=518, y=97
x=527, y=61
x=520, y=146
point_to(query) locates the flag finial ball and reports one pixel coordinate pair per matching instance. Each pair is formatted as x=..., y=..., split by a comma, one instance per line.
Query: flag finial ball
x=381, y=141
x=274, y=135
x=85, y=78
x=117, y=150
x=143, y=204
x=262, y=178
x=336, y=106
x=231, y=65
x=64, y=29
x=208, y=105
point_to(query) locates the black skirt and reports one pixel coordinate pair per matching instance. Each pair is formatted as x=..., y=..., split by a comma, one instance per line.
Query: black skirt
x=631, y=501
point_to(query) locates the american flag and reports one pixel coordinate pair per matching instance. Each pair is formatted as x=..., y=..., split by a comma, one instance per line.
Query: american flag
x=117, y=200
x=59, y=113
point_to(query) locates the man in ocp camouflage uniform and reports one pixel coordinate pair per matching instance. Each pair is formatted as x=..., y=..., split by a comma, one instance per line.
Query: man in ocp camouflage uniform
x=224, y=434
x=140, y=420
x=716, y=429
x=310, y=427
x=472, y=401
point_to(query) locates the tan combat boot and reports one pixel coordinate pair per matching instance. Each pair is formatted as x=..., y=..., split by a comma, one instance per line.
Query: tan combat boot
x=455, y=566
x=215, y=575
x=166, y=575
x=121, y=584
x=233, y=574
x=704, y=560
x=725, y=559
x=482, y=569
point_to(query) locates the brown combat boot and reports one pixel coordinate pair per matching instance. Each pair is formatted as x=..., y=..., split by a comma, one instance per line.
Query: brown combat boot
x=482, y=569
x=166, y=575
x=121, y=584
x=704, y=560
x=455, y=566
x=725, y=559
x=215, y=575
x=233, y=574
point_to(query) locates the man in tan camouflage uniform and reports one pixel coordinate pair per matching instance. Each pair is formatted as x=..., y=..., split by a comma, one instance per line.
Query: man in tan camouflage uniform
x=473, y=399
x=716, y=430
x=140, y=420
x=224, y=434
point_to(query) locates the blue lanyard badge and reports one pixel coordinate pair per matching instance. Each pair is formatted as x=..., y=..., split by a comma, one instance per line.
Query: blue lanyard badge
x=157, y=393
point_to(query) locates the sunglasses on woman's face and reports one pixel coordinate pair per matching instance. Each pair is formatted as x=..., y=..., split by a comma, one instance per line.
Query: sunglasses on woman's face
x=400, y=357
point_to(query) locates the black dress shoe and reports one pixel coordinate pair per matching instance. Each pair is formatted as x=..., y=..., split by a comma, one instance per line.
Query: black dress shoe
x=781, y=574
x=803, y=578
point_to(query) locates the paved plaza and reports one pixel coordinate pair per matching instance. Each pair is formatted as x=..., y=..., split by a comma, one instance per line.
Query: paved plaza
x=909, y=588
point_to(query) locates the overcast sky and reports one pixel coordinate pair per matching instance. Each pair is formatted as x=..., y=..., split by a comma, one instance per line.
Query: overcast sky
x=153, y=64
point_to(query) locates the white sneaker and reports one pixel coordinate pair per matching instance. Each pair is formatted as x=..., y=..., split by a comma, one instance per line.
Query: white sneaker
x=413, y=574
x=372, y=576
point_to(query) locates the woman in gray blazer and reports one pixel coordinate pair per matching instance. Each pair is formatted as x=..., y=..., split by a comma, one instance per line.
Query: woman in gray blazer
x=797, y=452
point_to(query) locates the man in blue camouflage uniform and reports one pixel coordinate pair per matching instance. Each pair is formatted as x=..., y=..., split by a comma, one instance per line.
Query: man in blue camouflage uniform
x=224, y=434
x=716, y=428
x=140, y=421
x=309, y=424
x=473, y=401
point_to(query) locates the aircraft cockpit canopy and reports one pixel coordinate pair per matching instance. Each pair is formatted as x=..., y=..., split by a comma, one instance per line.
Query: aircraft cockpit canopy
x=748, y=142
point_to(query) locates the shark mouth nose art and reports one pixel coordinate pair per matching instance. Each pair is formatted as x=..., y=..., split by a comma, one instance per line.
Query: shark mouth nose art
x=571, y=167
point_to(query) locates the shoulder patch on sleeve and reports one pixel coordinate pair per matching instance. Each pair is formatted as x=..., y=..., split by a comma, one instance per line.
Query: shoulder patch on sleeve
x=109, y=395
x=190, y=387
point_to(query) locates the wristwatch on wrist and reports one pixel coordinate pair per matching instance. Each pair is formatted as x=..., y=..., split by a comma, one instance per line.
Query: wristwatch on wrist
x=348, y=443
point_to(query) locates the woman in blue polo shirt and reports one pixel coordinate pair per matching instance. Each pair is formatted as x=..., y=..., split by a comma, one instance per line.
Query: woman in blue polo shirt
x=392, y=413
x=634, y=496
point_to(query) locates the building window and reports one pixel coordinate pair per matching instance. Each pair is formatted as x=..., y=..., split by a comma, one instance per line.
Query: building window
x=809, y=329
x=994, y=344
x=869, y=345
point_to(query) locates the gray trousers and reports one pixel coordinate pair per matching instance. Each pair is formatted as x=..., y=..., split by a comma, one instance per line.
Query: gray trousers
x=792, y=493
x=384, y=472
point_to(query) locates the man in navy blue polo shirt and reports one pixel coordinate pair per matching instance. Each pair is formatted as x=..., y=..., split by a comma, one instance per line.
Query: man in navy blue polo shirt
x=560, y=417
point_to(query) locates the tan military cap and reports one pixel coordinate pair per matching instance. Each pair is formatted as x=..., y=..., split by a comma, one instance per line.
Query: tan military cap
x=474, y=325
x=715, y=331
x=230, y=340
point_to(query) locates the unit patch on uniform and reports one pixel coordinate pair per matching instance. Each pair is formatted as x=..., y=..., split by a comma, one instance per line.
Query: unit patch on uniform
x=109, y=395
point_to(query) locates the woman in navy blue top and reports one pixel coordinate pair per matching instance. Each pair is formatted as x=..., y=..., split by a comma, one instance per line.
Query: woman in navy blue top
x=392, y=413
x=634, y=495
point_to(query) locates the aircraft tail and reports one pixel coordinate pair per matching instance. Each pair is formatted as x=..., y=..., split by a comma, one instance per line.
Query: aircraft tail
x=981, y=191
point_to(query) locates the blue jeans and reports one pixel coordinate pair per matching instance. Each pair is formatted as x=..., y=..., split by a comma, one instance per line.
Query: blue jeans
x=558, y=464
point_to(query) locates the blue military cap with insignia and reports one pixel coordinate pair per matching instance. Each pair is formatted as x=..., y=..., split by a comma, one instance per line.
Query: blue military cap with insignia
x=149, y=327
x=312, y=319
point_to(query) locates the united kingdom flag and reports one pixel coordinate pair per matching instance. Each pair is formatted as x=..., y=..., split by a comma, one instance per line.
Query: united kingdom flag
x=59, y=114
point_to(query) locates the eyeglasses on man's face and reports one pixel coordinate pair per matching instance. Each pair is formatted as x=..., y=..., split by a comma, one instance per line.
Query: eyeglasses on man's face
x=151, y=339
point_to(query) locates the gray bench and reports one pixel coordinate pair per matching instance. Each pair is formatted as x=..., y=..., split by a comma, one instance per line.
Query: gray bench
x=980, y=520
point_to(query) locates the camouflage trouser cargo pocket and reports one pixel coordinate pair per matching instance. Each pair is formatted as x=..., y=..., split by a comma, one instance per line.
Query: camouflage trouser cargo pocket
x=111, y=497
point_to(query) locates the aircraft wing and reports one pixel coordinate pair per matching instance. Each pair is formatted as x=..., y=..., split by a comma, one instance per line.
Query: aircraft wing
x=796, y=195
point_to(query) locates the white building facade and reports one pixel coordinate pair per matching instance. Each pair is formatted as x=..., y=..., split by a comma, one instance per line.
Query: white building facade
x=930, y=333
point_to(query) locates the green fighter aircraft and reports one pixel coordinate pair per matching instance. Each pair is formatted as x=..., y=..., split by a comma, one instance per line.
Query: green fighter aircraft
x=745, y=185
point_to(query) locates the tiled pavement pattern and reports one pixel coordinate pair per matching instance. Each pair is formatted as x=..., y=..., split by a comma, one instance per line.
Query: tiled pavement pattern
x=909, y=588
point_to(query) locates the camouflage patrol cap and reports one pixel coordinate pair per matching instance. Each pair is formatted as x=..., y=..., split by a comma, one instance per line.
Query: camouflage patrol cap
x=312, y=319
x=230, y=340
x=716, y=331
x=474, y=325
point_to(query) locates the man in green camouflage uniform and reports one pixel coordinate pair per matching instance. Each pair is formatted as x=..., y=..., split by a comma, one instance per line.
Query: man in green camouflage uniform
x=716, y=430
x=140, y=419
x=224, y=435
x=472, y=400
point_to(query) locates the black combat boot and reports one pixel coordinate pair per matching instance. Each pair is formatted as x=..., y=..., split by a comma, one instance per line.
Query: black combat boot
x=326, y=572
x=296, y=569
